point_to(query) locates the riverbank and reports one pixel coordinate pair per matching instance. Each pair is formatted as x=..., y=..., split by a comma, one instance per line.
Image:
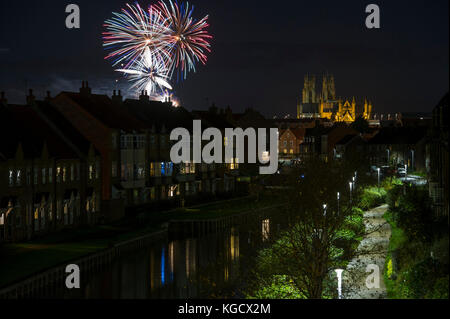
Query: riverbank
x=22, y=260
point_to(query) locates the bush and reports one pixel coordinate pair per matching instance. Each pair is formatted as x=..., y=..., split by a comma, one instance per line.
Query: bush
x=372, y=197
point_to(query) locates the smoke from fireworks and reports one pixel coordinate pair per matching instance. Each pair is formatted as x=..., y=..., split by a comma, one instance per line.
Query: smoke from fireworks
x=154, y=44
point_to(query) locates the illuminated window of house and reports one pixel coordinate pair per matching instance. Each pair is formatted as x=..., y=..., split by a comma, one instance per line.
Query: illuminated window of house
x=91, y=172
x=11, y=177
x=72, y=172
x=64, y=174
x=192, y=168
x=19, y=177
x=291, y=151
x=285, y=151
x=152, y=169
x=265, y=156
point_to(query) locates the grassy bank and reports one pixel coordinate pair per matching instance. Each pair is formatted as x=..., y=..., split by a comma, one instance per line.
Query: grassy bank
x=417, y=263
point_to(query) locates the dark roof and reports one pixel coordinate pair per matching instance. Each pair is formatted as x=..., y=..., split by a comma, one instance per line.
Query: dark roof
x=22, y=125
x=158, y=114
x=106, y=111
x=47, y=111
x=399, y=135
x=346, y=139
x=211, y=119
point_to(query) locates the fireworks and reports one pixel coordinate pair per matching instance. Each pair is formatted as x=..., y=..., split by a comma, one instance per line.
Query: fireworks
x=152, y=45
x=186, y=38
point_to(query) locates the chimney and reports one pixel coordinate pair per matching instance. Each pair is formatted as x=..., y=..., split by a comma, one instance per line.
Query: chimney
x=85, y=89
x=117, y=98
x=144, y=96
x=30, y=97
x=3, y=99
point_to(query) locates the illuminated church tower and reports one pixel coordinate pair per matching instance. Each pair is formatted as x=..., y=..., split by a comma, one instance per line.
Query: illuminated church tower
x=326, y=105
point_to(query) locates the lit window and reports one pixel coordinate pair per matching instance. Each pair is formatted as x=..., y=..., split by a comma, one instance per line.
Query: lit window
x=265, y=156
x=64, y=174
x=11, y=178
x=291, y=151
x=285, y=151
x=19, y=177
x=72, y=172
x=91, y=172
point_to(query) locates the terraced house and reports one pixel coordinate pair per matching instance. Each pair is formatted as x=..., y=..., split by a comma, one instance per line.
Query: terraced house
x=49, y=172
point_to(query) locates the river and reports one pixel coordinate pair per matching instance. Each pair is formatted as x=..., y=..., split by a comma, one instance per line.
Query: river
x=212, y=266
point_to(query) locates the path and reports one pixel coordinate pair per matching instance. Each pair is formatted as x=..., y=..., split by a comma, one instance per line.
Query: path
x=372, y=250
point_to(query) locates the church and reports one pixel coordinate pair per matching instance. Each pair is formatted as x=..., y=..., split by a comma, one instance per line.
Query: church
x=325, y=105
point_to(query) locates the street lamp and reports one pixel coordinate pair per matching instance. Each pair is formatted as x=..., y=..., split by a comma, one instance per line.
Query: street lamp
x=339, y=277
x=324, y=210
x=378, y=170
x=350, y=184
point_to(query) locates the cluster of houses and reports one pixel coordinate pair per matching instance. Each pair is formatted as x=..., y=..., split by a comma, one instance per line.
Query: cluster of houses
x=83, y=158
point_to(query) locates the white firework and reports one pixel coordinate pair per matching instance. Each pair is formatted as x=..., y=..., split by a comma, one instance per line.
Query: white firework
x=148, y=74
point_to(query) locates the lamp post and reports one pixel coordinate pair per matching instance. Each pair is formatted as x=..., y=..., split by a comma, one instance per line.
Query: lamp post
x=378, y=170
x=339, y=277
x=350, y=184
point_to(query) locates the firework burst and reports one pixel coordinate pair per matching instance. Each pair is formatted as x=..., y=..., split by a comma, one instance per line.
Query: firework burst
x=148, y=74
x=186, y=38
x=150, y=45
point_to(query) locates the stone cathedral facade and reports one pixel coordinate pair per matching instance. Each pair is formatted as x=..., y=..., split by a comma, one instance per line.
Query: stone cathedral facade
x=324, y=104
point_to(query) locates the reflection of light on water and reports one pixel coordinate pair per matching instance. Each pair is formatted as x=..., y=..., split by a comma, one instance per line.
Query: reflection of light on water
x=187, y=259
x=234, y=245
x=163, y=266
x=171, y=260
x=226, y=273
x=265, y=229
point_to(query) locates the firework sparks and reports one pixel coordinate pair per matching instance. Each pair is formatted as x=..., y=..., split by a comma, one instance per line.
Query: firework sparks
x=187, y=38
x=148, y=74
x=150, y=45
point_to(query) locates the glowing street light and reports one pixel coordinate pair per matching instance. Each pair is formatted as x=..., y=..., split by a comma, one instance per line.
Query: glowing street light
x=339, y=277
x=350, y=184
x=324, y=209
x=378, y=170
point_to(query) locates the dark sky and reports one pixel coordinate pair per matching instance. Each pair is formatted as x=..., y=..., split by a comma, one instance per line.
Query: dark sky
x=260, y=52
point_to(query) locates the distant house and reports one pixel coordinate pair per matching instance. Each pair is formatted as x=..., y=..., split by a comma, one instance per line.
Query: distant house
x=289, y=142
x=399, y=146
x=438, y=150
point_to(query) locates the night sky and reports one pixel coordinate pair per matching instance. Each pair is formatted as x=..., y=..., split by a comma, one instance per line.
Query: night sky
x=260, y=52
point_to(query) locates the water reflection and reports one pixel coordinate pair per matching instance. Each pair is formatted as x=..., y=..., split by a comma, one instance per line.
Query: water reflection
x=189, y=268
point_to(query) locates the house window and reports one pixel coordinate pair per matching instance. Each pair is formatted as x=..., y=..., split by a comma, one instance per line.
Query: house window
x=91, y=171
x=11, y=177
x=35, y=180
x=44, y=176
x=64, y=174
x=285, y=143
x=19, y=177
x=292, y=151
x=50, y=175
x=285, y=151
